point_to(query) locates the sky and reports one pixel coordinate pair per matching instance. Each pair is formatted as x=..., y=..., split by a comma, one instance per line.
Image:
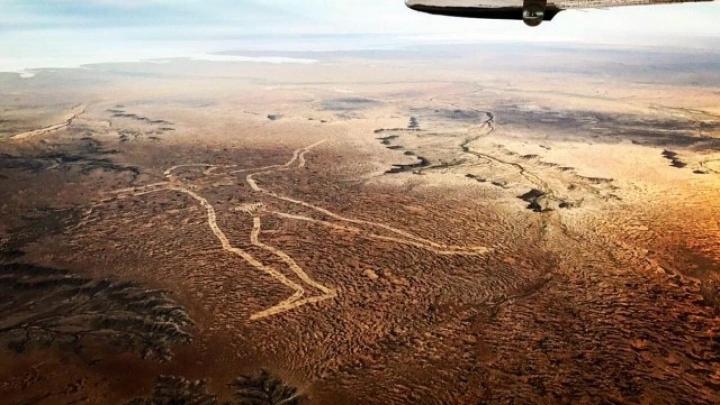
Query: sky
x=34, y=33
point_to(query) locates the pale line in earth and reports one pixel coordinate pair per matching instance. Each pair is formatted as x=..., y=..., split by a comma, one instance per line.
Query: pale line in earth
x=328, y=293
x=448, y=249
x=169, y=171
x=297, y=154
x=77, y=111
x=296, y=299
x=254, y=186
x=286, y=305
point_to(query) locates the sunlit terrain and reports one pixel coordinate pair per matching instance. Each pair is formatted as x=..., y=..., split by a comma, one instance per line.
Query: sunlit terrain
x=445, y=224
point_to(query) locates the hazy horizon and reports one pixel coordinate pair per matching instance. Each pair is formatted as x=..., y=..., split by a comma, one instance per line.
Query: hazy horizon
x=59, y=33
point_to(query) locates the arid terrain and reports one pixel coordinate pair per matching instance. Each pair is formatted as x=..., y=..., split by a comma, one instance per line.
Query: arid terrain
x=371, y=228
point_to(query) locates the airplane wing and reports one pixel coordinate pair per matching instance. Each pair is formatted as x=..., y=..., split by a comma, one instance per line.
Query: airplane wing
x=532, y=12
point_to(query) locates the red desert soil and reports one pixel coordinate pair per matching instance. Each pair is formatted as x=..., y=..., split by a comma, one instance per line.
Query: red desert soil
x=206, y=241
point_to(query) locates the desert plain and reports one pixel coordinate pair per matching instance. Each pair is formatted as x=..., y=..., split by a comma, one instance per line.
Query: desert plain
x=450, y=225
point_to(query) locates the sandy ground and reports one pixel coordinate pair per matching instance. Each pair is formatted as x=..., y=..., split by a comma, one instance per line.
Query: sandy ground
x=365, y=230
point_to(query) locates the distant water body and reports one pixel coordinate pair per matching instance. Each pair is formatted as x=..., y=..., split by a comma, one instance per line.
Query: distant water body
x=27, y=69
x=29, y=52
